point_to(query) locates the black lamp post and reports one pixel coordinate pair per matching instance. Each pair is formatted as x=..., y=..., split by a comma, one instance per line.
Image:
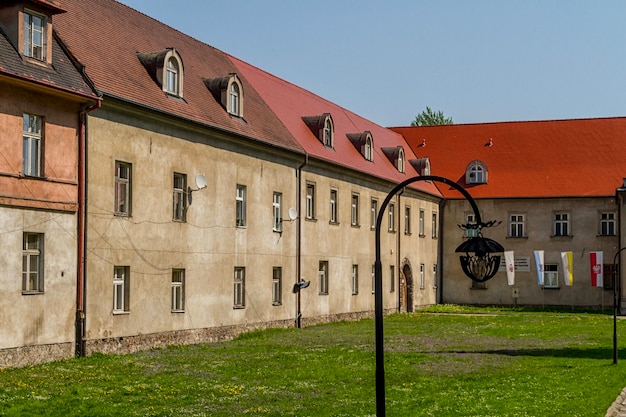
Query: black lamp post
x=616, y=281
x=477, y=263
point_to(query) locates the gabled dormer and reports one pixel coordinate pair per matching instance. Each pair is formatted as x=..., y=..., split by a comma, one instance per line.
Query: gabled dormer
x=228, y=91
x=421, y=165
x=364, y=143
x=395, y=156
x=322, y=127
x=166, y=69
x=476, y=173
x=28, y=25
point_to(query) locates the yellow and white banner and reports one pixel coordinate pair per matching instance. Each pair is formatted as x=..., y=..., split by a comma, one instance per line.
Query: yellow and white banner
x=568, y=267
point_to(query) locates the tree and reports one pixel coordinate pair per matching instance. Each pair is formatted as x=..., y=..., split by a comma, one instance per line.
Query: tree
x=430, y=118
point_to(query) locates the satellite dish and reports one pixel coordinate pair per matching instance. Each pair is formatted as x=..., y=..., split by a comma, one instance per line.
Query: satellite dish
x=200, y=181
x=293, y=214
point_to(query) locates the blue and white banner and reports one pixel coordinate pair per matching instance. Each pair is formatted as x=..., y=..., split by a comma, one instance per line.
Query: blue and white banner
x=539, y=265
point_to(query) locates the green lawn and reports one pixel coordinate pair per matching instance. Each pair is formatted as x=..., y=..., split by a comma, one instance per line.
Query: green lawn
x=491, y=363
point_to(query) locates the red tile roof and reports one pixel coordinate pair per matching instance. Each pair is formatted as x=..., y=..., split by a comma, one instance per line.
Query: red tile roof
x=291, y=103
x=106, y=36
x=556, y=158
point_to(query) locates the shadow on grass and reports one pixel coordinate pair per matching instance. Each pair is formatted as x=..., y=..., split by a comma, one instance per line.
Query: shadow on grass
x=574, y=353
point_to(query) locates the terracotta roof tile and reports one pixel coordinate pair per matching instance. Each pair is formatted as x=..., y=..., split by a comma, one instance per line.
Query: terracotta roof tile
x=555, y=158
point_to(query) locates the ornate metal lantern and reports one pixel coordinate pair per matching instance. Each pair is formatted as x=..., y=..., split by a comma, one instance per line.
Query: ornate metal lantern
x=479, y=263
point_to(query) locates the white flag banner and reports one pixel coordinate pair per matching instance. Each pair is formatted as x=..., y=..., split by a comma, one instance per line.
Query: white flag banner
x=567, y=258
x=509, y=260
x=539, y=265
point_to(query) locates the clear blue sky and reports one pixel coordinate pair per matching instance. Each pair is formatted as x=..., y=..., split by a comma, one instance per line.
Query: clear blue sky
x=477, y=61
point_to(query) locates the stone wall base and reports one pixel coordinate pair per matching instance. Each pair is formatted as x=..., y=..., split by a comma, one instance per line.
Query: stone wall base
x=32, y=355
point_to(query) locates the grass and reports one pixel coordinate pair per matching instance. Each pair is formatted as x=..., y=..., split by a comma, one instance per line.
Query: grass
x=439, y=362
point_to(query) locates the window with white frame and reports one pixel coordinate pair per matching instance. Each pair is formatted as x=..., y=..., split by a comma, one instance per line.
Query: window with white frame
x=407, y=220
x=516, y=225
x=234, y=99
x=401, y=160
x=422, y=276
x=328, y=133
x=470, y=218
x=310, y=201
x=277, y=285
x=123, y=187
x=561, y=224
x=32, y=263
x=434, y=226
x=435, y=273
x=373, y=278
x=180, y=197
x=35, y=36
x=392, y=278
x=607, y=223
x=121, y=289
x=178, y=290
x=32, y=139
x=239, y=287
x=550, y=275
x=391, y=217
x=277, y=210
x=373, y=213
x=355, y=279
x=368, y=146
x=422, y=223
x=476, y=173
x=354, y=217
x=240, y=206
x=323, y=277
x=171, y=76
x=333, y=206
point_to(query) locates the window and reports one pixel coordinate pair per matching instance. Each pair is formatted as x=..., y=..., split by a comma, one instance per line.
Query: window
x=374, y=213
x=391, y=213
x=240, y=287
x=607, y=224
x=333, y=206
x=171, y=76
x=407, y=220
x=32, y=145
x=277, y=210
x=368, y=152
x=434, y=226
x=328, y=133
x=470, y=218
x=516, y=225
x=476, y=173
x=123, y=185
x=121, y=288
x=435, y=274
x=373, y=278
x=323, y=277
x=277, y=285
x=422, y=223
x=550, y=276
x=180, y=197
x=610, y=274
x=35, y=36
x=364, y=143
x=310, y=201
x=355, y=279
x=178, y=290
x=240, y=206
x=561, y=224
x=392, y=278
x=401, y=160
x=422, y=276
x=354, y=218
x=32, y=263
x=234, y=99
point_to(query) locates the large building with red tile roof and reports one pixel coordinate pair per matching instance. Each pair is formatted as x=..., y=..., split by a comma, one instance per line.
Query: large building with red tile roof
x=551, y=183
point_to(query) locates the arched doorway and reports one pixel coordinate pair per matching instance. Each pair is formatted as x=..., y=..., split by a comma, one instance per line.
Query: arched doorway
x=406, y=287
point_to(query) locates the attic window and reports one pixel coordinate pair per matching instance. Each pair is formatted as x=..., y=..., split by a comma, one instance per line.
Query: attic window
x=395, y=156
x=364, y=143
x=228, y=91
x=422, y=165
x=35, y=35
x=322, y=127
x=166, y=68
x=476, y=173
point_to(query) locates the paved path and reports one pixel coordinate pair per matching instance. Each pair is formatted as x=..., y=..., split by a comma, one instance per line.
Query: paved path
x=618, y=408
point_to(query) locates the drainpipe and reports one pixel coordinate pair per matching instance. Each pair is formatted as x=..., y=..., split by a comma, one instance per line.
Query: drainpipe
x=440, y=260
x=299, y=238
x=81, y=270
x=398, y=247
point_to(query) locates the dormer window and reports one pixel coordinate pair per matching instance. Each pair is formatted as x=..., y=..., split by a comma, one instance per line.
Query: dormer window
x=395, y=156
x=166, y=68
x=364, y=143
x=35, y=37
x=422, y=165
x=228, y=91
x=322, y=127
x=476, y=173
